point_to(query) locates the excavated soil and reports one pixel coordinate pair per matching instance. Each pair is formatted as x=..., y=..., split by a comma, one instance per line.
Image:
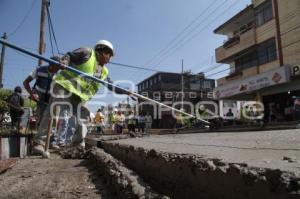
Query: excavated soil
x=186, y=176
x=34, y=177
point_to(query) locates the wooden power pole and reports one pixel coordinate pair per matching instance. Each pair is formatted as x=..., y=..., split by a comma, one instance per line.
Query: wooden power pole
x=2, y=61
x=42, y=29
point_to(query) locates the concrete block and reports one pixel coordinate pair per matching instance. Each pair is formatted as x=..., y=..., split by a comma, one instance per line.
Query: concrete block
x=4, y=148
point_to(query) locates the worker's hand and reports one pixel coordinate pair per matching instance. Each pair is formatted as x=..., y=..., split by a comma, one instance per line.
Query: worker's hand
x=34, y=97
x=63, y=64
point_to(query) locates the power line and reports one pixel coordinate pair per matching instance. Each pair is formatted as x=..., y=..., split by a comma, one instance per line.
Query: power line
x=178, y=35
x=166, y=54
x=167, y=48
x=296, y=52
x=135, y=67
x=286, y=19
x=23, y=20
x=193, y=36
x=51, y=30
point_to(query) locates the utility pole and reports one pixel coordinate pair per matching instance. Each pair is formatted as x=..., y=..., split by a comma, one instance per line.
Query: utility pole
x=42, y=30
x=2, y=61
x=182, y=84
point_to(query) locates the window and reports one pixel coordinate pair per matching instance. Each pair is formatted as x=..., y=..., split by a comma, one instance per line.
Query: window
x=146, y=84
x=264, y=13
x=154, y=80
x=140, y=87
x=159, y=77
x=169, y=95
x=206, y=84
x=267, y=52
x=150, y=82
x=156, y=95
x=193, y=95
x=246, y=61
x=145, y=94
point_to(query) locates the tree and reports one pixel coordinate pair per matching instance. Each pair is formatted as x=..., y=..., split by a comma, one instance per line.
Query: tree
x=4, y=109
x=30, y=103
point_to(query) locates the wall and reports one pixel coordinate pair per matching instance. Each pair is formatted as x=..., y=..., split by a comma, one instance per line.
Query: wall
x=266, y=31
x=257, y=2
x=249, y=72
x=268, y=66
x=289, y=17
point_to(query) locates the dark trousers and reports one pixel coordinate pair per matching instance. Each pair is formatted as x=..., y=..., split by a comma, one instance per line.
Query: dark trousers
x=119, y=129
x=15, y=118
x=100, y=129
x=297, y=115
x=141, y=126
x=131, y=127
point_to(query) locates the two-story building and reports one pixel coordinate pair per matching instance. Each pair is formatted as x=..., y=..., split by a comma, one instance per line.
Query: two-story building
x=180, y=90
x=263, y=51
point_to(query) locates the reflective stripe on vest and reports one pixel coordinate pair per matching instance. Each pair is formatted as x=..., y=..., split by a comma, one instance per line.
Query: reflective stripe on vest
x=43, y=79
x=81, y=86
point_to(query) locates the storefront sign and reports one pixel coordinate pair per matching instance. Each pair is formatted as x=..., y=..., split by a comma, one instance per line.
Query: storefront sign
x=270, y=78
x=295, y=70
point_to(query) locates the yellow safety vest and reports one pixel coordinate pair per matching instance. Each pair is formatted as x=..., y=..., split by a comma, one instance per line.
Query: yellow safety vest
x=82, y=86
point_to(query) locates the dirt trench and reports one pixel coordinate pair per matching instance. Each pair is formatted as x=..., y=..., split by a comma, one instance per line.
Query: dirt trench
x=190, y=176
x=34, y=177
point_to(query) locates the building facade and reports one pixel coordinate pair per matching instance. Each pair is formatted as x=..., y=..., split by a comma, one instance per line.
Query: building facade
x=263, y=51
x=174, y=89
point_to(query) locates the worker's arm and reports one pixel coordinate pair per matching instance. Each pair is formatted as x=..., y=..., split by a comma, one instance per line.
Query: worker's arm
x=77, y=57
x=26, y=84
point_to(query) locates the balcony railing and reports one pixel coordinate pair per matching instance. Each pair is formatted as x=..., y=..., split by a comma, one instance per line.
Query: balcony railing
x=235, y=45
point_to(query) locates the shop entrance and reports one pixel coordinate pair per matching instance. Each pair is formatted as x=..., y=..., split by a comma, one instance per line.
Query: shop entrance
x=280, y=107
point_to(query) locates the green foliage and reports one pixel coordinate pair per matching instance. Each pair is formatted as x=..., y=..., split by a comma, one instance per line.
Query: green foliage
x=4, y=109
x=30, y=103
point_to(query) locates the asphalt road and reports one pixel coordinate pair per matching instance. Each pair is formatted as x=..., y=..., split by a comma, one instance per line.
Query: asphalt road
x=277, y=149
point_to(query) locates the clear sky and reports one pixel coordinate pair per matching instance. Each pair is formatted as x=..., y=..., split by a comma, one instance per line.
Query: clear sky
x=155, y=34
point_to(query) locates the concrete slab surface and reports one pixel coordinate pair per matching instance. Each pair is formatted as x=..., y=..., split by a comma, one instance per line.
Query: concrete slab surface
x=277, y=149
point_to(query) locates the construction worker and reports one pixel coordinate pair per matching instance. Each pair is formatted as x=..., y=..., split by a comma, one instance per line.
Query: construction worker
x=179, y=121
x=40, y=91
x=119, y=122
x=70, y=90
x=99, y=121
x=113, y=119
x=203, y=112
x=131, y=122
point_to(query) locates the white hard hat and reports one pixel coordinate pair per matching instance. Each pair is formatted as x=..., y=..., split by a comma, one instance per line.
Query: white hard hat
x=105, y=43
